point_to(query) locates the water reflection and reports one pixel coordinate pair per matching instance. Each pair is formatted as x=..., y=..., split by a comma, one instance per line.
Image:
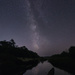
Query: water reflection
x=61, y=72
x=17, y=69
x=41, y=69
x=45, y=69
x=31, y=68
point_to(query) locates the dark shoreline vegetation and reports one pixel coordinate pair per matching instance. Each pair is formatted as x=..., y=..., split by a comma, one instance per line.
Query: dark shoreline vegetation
x=64, y=61
x=16, y=60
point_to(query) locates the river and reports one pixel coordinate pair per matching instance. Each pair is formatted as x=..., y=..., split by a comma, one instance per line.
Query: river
x=44, y=68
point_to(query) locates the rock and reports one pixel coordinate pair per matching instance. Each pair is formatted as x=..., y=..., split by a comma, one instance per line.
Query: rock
x=51, y=72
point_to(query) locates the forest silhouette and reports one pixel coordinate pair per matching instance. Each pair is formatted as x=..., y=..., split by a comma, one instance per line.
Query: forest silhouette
x=65, y=60
x=16, y=60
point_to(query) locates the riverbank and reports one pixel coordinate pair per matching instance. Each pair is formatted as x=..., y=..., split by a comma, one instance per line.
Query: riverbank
x=65, y=61
x=14, y=60
x=15, y=66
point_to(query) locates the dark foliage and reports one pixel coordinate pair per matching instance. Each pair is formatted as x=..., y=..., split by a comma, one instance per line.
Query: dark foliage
x=65, y=60
x=9, y=47
x=72, y=52
x=12, y=56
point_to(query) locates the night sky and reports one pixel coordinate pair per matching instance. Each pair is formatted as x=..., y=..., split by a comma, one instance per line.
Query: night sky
x=43, y=26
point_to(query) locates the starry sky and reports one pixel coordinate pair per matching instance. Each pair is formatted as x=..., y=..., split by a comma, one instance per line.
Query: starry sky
x=43, y=26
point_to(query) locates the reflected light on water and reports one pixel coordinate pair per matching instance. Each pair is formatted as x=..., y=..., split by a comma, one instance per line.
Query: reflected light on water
x=35, y=71
x=43, y=69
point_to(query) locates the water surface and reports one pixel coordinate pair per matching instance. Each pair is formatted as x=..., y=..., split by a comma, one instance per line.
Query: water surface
x=43, y=69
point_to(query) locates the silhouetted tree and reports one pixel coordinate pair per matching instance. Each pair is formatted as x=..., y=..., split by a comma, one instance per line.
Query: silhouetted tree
x=64, y=54
x=23, y=47
x=8, y=47
x=4, y=43
x=12, y=42
x=72, y=51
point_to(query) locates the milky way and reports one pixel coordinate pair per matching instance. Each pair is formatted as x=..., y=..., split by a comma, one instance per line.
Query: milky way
x=44, y=26
x=33, y=26
x=39, y=42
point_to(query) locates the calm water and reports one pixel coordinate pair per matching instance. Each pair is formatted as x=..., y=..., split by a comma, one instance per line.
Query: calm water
x=43, y=69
